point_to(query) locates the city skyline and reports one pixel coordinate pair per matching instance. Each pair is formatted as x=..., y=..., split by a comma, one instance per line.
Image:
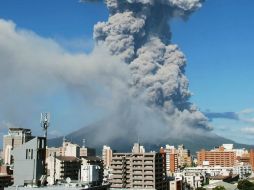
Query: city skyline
x=222, y=90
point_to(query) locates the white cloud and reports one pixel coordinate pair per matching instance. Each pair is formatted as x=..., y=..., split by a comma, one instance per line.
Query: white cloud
x=247, y=111
x=248, y=130
x=32, y=68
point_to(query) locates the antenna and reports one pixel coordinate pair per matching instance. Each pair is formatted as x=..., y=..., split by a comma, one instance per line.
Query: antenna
x=45, y=121
x=84, y=143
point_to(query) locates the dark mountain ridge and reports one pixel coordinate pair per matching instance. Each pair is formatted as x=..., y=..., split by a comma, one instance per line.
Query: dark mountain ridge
x=194, y=141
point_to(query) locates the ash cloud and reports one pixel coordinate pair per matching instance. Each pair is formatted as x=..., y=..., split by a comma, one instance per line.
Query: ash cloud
x=138, y=32
x=134, y=73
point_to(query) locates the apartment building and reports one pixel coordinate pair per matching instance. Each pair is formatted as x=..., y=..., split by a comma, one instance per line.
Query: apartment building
x=184, y=157
x=106, y=156
x=170, y=159
x=217, y=157
x=70, y=149
x=61, y=167
x=174, y=158
x=139, y=170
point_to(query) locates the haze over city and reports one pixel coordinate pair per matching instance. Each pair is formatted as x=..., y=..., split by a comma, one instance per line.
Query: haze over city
x=49, y=61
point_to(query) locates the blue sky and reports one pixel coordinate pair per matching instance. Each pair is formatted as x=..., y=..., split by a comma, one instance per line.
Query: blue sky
x=217, y=41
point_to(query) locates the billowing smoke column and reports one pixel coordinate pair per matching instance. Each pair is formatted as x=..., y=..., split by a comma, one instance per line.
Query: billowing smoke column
x=138, y=32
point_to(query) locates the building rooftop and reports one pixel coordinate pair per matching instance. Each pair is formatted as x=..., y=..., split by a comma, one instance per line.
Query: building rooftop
x=19, y=129
x=228, y=186
x=67, y=158
x=91, y=158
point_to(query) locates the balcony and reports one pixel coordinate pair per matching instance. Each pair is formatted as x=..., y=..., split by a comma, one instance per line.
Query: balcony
x=116, y=166
x=116, y=181
x=148, y=163
x=149, y=182
x=148, y=177
x=117, y=172
x=137, y=172
x=137, y=181
x=148, y=172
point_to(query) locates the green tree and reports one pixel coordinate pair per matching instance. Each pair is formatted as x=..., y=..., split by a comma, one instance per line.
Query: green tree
x=245, y=185
x=219, y=188
x=1, y=162
x=200, y=188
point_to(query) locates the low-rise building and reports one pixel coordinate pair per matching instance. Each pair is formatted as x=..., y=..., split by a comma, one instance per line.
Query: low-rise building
x=91, y=170
x=70, y=149
x=5, y=180
x=86, y=151
x=243, y=170
x=62, y=167
x=175, y=184
x=210, y=170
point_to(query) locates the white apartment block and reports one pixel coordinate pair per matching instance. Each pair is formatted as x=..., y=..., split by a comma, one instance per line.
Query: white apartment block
x=243, y=170
x=89, y=173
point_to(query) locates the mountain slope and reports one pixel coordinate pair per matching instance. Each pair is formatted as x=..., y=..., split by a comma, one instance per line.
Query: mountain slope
x=94, y=138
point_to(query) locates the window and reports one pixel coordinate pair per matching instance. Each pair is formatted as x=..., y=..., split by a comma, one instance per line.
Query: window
x=29, y=154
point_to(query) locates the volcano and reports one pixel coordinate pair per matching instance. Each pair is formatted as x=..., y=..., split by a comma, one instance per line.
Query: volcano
x=194, y=142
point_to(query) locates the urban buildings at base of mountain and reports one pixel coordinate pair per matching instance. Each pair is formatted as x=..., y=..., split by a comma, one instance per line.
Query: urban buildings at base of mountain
x=28, y=162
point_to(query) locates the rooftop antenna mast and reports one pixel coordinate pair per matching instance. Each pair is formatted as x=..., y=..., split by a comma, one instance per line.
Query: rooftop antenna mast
x=45, y=121
x=84, y=143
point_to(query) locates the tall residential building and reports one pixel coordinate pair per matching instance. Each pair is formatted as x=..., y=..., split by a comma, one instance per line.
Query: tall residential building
x=217, y=157
x=15, y=138
x=138, y=170
x=184, y=157
x=29, y=162
x=170, y=159
x=106, y=156
x=173, y=162
x=252, y=158
x=175, y=158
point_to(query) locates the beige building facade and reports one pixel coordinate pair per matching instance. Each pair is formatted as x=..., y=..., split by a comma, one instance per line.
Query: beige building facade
x=14, y=138
x=138, y=170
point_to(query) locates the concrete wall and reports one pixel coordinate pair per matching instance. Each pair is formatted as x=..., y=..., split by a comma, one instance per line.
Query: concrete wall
x=29, y=161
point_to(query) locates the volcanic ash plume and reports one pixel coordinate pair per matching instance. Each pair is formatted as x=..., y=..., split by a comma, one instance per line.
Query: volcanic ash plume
x=138, y=32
